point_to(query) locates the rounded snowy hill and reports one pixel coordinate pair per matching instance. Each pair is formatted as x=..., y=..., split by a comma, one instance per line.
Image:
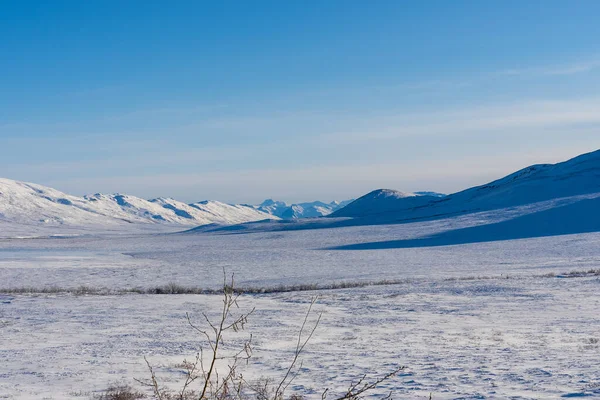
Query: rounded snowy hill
x=382, y=201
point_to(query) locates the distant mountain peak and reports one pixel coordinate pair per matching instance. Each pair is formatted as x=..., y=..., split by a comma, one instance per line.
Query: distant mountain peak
x=271, y=202
x=300, y=210
x=389, y=193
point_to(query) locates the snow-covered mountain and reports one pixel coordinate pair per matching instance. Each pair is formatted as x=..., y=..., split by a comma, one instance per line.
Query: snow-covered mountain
x=534, y=184
x=383, y=201
x=212, y=212
x=531, y=190
x=540, y=200
x=27, y=204
x=577, y=176
x=301, y=210
x=273, y=207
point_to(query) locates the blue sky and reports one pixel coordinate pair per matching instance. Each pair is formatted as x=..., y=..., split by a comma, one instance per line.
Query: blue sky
x=296, y=100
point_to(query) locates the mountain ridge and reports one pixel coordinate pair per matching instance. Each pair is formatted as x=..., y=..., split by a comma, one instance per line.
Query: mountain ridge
x=535, y=183
x=26, y=203
x=311, y=209
x=30, y=204
x=534, y=189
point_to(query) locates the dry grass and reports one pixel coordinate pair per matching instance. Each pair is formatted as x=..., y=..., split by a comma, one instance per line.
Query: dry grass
x=120, y=392
x=174, y=288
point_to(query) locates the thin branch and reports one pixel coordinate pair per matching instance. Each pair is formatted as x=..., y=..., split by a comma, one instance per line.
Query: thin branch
x=354, y=391
x=153, y=383
x=299, y=348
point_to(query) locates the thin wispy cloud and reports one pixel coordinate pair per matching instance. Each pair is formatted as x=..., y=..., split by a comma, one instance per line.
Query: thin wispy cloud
x=298, y=151
x=428, y=85
x=555, y=70
x=330, y=181
x=478, y=120
x=341, y=152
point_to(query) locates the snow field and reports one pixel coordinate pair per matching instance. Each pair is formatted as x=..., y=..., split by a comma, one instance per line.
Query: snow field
x=509, y=338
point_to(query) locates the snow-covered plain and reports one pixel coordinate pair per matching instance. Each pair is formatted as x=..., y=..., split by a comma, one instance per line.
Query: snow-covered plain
x=507, y=338
x=462, y=328
x=271, y=258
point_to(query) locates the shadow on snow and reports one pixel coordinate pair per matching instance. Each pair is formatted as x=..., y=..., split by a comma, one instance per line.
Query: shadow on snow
x=579, y=217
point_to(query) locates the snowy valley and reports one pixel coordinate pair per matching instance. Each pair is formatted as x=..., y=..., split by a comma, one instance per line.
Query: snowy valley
x=491, y=292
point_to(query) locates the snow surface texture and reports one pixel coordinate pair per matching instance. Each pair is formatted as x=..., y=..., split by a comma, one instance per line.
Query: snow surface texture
x=31, y=209
x=525, y=338
x=269, y=259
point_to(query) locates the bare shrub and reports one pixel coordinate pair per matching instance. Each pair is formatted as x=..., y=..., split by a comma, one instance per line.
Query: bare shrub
x=212, y=383
x=173, y=288
x=120, y=392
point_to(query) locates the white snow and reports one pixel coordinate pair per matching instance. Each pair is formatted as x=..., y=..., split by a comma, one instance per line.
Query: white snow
x=460, y=326
x=526, y=337
x=28, y=210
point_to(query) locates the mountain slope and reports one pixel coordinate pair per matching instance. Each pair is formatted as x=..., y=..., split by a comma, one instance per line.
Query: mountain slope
x=537, y=183
x=577, y=176
x=35, y=205
x=535, y=191
x=582, y=215
x=31, y=204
